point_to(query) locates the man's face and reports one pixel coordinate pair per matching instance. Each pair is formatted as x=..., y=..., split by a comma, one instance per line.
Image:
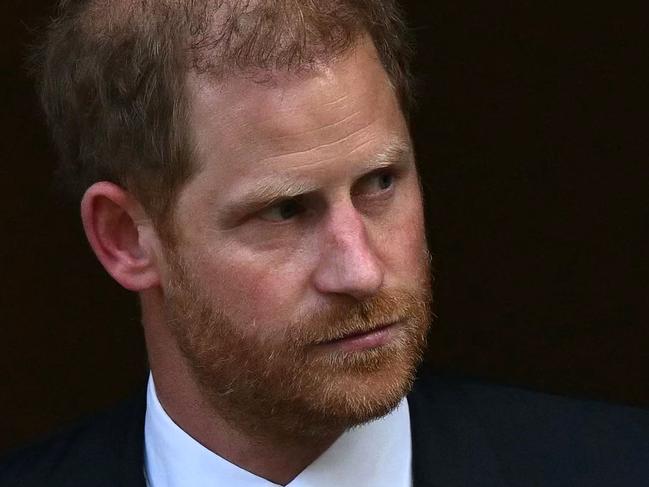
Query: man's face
x=301, y=232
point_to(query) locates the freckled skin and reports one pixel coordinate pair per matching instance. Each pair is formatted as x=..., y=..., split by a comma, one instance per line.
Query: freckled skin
x=317, y=127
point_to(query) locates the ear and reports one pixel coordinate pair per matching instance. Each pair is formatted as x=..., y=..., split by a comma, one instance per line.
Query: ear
x=121, y=235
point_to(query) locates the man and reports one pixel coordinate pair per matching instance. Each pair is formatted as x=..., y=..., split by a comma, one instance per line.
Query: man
x=246, y=168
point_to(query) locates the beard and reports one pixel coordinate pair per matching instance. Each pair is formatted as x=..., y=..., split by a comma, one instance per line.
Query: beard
x=280, y=382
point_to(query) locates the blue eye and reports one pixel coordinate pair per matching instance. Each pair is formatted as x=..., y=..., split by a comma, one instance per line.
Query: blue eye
x=282, y=211
x=375, y=184
x=385, y=181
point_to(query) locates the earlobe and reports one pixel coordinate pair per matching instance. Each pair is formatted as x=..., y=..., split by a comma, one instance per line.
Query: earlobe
x=119, y=233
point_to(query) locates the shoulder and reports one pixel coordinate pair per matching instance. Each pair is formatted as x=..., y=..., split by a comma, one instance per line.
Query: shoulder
x=535, y=435
x=105, y=449
x=494, y=399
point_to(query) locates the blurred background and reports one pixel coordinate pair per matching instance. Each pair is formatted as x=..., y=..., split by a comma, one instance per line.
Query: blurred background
x=532, y=138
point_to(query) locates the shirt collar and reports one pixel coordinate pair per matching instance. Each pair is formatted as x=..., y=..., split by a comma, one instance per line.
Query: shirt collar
x=378, y=453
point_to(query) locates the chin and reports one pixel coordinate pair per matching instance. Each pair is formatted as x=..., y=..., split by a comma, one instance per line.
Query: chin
x=346, y=399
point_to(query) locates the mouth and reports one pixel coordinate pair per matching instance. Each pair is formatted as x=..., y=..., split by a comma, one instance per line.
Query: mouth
x=365, y=340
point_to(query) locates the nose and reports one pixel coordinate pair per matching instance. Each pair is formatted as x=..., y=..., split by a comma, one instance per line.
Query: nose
x=348, y=264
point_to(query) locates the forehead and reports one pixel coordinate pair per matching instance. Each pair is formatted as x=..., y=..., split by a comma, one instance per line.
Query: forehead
x=300, y=124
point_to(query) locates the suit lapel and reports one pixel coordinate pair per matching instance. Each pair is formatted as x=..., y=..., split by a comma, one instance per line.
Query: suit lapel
x=450, y=448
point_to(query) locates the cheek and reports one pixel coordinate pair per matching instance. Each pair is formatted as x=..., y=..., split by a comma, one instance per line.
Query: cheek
x=253, y=287
x=404, y=243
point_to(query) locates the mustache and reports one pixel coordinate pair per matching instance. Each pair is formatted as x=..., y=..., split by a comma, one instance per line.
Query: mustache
x=343, y=320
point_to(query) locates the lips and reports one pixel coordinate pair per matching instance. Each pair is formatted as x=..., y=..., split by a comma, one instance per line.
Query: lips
x=361, y=333
x=358, y=341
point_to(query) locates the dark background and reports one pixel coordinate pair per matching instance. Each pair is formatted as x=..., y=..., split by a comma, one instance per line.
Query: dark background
x=532, y=137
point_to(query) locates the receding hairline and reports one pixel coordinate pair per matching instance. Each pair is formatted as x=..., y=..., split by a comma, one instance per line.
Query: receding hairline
x=222, y=35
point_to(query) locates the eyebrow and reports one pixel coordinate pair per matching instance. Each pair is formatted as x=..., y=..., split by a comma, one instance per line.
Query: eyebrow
x=273, y=189
x=395, y=154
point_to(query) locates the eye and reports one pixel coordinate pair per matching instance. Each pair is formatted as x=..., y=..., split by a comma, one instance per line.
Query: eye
x=282, y=211
x=384, y=181
x=375, y=184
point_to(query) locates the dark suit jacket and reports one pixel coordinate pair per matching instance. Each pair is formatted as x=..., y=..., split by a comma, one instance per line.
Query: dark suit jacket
x=465, y=433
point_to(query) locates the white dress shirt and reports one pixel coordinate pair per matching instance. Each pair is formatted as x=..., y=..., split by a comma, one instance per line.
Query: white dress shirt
x=376, y=454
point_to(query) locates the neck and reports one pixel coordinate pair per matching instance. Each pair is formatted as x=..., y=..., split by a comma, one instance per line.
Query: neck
x=181, y=397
